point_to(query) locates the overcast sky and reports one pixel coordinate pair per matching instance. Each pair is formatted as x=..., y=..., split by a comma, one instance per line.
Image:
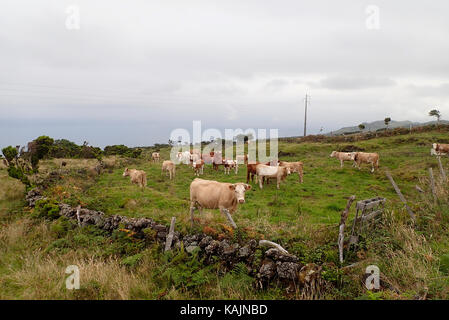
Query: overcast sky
x=135, y=70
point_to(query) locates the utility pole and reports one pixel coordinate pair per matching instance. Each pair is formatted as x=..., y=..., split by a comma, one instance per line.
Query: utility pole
x=305, y=114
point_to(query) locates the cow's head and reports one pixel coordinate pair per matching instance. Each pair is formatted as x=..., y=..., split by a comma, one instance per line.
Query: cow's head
x=353, y=155
x=126, y=172
x=333, y=154
x=240, y=189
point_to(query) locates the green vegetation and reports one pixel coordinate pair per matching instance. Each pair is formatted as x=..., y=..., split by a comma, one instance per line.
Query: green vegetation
x=36, y=246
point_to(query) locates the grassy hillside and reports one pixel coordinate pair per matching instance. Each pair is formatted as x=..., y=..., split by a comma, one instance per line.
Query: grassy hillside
x=301, y=217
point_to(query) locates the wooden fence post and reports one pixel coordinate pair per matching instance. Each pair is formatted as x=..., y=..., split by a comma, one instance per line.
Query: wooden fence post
x=171, y=232
x=341, y=233
x=398, y=191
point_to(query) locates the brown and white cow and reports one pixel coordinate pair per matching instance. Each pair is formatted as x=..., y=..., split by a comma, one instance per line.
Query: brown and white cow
x=155, y=156
x=266, y=172
x=230, y=164
x=294, y=167
x=365, y=157
x=209, y=194
x=169, y=167
x=439, y=149
x=343, y=156
x=251, y=170
x=138, y=177
x=198, y=167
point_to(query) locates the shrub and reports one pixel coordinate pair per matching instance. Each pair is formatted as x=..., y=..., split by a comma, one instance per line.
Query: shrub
x=10, y=153
x=47, y=208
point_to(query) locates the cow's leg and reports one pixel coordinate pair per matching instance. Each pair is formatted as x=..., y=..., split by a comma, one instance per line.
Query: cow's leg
x=229, y=217
x=260, y=181
x=278, y=182
x=341, y=163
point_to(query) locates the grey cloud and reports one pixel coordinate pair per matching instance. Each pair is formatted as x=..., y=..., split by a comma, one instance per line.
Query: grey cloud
x=355, y=83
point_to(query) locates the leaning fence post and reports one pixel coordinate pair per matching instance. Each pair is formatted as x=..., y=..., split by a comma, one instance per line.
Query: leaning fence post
x=442, y=172
x=341, y=234
x=398, y=191
x=171, y=232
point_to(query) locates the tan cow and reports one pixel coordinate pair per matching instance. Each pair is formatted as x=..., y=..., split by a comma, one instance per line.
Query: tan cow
x=365, y=157
x=264, y=171
x=343, y=156
x=439, y=149
x=155, y=156
x=138, y=177
x=294, y=167
x=198, y=167
x=209, y=194
x=169, y=167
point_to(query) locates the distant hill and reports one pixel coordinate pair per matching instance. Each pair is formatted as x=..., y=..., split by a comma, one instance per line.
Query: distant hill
x=376, y=125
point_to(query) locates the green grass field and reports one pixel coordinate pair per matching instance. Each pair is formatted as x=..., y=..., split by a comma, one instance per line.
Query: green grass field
x=303, y=217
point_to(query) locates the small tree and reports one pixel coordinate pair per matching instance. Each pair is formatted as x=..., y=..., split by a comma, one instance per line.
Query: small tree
x=387, y=121
x=10, y=154
x=435, y=113
x=361, y=127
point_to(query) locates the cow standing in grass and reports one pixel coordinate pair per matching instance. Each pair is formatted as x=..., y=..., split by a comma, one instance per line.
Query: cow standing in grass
x=439, y=149
x=364, y=157
x=198, y=167
x=263, y=171
x=294, y=167
x=343, y=156
x=230, y=164
x=209, y=194
x=138, y=177
x=169, y=167
x=155, y=156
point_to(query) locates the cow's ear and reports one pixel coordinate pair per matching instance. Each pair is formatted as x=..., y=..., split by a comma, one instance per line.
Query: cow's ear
x=232, y=187
x=247, y=187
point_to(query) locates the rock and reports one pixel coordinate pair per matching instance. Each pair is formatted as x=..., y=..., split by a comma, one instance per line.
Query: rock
x=244, y=252
x=288, y=270
x=205, y=241
x=212, y=247
x=276, y=255
x=267, y=269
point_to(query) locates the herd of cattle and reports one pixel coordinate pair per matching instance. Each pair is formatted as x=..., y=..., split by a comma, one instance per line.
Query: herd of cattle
x=211, y=194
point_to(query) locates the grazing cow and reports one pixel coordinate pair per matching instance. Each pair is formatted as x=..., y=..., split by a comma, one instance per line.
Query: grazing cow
x=343, y=156
x=155, y=156
x=169, y=167
x=217, y=159
x=264, y=171
x=294, y=167
x=439, y=149
x=371, y=158
x=198, y=166
x=138, y=177
x=230, y=164
x=184, y=157
x=251, y=170
x=209, y=194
